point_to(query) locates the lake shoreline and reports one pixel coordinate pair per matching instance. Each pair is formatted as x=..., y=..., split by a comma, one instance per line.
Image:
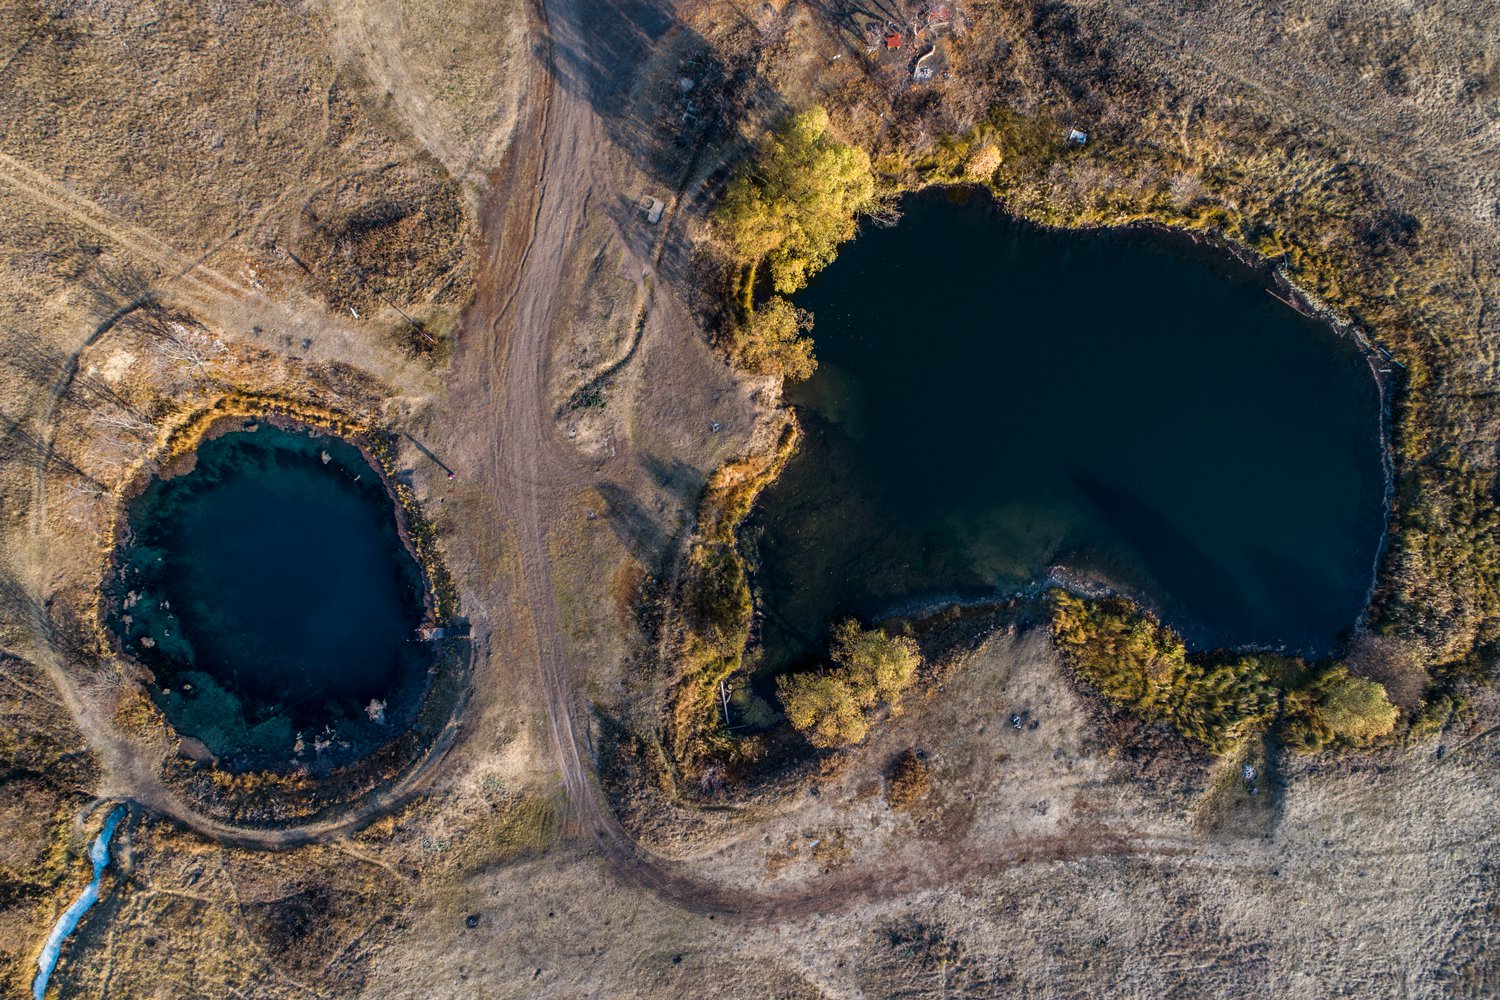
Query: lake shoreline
x=260, y=798
x=168, y=626
x=1272, y=280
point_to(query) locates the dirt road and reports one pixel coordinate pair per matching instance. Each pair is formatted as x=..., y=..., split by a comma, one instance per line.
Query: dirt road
x=530, y=241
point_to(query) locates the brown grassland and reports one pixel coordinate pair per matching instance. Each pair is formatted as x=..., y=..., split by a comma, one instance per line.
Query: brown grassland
x=424, y=220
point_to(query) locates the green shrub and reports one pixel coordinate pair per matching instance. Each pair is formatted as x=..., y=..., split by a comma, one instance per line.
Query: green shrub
x=1436, y=712
x=833, y=707
x=1218, y=704
x=1114, y=649
x=1355, y=709
x=1141, y=665
x=716, y=607
x=1339, y=710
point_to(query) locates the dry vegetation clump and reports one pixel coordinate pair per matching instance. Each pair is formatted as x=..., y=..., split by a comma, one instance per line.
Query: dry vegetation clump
x=529, y=824
x=1243, y=797
x=734, y=487
x=914, y=951
x=828, y=850
x=417, y=528
x=394, y=235
x=907, y=778
x=1394, y=664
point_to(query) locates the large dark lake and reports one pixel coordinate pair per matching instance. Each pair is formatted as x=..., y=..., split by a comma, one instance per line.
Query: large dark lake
x=270, y=594
x=994, y=400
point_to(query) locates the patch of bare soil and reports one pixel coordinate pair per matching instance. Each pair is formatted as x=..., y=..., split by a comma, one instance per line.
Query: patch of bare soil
x=447, y=71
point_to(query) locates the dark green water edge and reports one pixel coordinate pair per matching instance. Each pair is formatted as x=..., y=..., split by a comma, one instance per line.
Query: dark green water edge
x=269, y=592
x=999, y=405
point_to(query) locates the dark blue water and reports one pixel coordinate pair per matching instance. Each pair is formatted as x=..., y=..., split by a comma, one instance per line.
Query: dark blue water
x=994, y=400
x=269, y=592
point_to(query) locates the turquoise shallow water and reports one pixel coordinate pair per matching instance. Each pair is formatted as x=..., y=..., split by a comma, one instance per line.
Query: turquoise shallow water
x=994, y=400
x=269, y=592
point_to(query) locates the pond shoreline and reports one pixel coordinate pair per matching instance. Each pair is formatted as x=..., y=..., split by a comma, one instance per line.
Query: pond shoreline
x=259, y=798
x=1272, y=280
x=1386, y=379
x=259, y=481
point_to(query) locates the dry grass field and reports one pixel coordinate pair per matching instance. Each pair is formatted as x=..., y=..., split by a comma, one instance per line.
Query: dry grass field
x=424, y=216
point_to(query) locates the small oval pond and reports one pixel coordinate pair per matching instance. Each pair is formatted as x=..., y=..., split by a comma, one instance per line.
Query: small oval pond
x=995, y=400
x=269, y=591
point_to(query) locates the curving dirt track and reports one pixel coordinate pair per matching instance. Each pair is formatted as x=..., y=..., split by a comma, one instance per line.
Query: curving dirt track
x=525, y=461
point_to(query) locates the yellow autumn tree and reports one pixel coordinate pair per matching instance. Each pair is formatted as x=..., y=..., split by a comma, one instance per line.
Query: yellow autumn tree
x=824, y=708
x=880, y=665
x=774, y=341
x=793, y=202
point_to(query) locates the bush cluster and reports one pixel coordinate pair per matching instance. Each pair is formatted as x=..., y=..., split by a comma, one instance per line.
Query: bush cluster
x=907, y=778
x=833, y=706
x=773, y=341
x=716, y=606
x=1336, y=709
x=1140, y=665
